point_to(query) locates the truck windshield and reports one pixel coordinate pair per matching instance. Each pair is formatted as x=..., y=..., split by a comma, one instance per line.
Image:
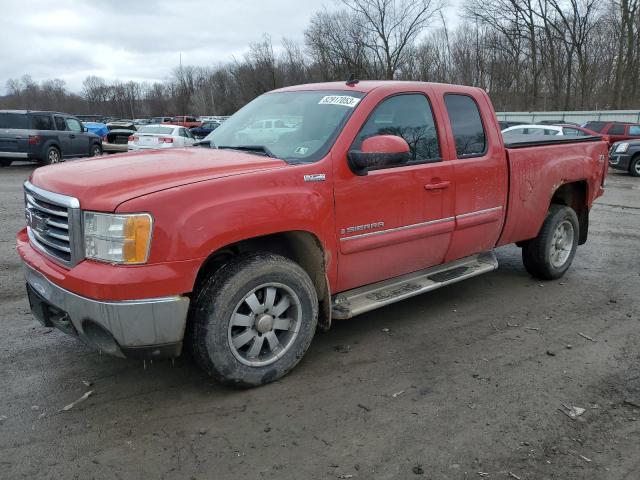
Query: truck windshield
x=294, y=126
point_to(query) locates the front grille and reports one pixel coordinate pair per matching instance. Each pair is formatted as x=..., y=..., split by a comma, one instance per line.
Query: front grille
x=54, y=224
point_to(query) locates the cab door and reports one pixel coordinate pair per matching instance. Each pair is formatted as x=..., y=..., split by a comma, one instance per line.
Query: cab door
x=64, y=136
x=395, y=220
x=480, y=168
x=79, y=140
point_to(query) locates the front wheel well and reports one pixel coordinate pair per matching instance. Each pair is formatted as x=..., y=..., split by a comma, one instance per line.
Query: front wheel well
x=302, y=247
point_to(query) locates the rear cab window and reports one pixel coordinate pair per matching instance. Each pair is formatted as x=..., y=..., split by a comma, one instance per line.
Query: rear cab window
x=408, y=116
x=466, y=125
x=634, y=130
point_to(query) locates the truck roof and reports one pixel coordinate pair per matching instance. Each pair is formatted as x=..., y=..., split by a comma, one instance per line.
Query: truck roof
x=366, y=86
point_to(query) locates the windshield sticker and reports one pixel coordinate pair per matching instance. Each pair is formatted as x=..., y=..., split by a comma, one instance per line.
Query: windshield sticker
x=343, y=100
x=301, y=150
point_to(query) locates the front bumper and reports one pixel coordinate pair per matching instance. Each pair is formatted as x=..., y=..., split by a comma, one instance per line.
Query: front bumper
x=619, y=161
x=147, y=328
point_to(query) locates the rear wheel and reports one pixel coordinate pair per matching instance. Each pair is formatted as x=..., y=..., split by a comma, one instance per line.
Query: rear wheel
x=254, y=319
x=52, y=155
x=634, y=168
x=549, y=255
x=5, y=162
x=96, y=150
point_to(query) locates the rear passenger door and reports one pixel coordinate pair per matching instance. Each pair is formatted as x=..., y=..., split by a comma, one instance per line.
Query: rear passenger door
x=616, y=132
x=64, y=136
x=480, y=170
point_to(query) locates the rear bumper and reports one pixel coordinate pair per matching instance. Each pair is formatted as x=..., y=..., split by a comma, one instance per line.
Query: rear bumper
x=147, y=328
x=16, y=155
x=114, y=147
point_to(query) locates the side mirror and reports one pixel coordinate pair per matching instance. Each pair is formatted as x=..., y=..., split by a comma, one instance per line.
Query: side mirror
x=378, y=152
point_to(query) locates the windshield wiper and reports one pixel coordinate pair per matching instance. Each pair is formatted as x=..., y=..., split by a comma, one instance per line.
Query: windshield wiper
x=260, y=149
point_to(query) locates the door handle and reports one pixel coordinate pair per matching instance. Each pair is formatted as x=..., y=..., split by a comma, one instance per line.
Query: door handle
x=438, y=185
x=72, y=136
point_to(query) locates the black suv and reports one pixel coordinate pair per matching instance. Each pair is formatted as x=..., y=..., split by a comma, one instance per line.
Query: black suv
x=44, y=137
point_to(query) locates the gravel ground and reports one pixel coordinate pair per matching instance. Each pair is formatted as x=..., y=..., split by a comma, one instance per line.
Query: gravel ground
x=466, y=382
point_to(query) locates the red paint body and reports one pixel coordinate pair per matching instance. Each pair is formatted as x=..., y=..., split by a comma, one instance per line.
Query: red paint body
x=205, y=199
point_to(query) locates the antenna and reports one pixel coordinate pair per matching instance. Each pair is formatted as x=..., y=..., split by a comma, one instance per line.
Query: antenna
x=352, y=80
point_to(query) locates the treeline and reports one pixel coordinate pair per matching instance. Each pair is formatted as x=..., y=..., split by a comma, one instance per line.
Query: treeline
x=528, y=54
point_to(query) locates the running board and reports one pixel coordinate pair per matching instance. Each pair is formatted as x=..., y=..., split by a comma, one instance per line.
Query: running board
x=364, y=299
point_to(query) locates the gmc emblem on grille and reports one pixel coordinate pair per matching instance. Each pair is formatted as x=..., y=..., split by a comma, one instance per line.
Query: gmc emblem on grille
x=35, y=221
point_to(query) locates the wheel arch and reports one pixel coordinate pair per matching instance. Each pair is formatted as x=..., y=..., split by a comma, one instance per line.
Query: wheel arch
x=574, y=194
x=301, y=246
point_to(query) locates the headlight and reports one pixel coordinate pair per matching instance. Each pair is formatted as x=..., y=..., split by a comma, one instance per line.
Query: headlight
x=622, y=147
x=114, y=238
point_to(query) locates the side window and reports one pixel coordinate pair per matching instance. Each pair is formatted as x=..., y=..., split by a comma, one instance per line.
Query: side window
x=60, y=123
x=279, y=124
x=408, y=116
x=74, y=125
x=634, y=130
x=616, y=129
x=42, y=122
x=466, y=125
x=188, y=133
x=517, y=131
x=533, y=131
x=267, y=124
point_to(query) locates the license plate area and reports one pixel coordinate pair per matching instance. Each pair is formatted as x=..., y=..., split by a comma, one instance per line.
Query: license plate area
x=47, y=314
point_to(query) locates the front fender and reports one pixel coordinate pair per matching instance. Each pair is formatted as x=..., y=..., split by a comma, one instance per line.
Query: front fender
x=194, y=220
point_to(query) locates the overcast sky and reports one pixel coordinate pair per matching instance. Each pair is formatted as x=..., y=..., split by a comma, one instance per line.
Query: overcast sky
x=139, y=39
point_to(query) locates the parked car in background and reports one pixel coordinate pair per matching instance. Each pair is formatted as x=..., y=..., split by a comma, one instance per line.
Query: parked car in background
x=44, y=137
x=116, y=141
x=205, y=129
x=157, y=120
x=563, y=130
x=557, y=122
x=265, y=131
x=532, y=130
x=98, y=128
x=160, y=136
x=122, y=123
x=625, y=156
x=142, y=121
x=92, y=118
x=616, y=131
x=185, y=121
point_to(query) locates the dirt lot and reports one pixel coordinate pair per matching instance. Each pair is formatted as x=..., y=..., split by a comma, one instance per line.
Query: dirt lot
x=467, y=382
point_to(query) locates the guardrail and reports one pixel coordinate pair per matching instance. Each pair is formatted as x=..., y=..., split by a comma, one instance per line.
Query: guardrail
x=575, y=116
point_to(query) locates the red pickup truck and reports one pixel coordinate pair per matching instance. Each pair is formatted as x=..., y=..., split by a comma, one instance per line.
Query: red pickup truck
x=379, y=191
x=185, y=121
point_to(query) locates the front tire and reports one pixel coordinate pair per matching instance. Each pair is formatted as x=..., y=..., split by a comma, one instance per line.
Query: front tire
x=634, y=168
x=5, y=162
x=549, y=255
x=254, y=319
x=96, y=150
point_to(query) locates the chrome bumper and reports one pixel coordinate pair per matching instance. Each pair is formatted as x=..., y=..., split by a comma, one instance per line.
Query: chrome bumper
x=148, y=328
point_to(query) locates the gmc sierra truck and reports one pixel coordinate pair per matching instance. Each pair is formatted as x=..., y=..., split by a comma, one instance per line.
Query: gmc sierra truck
x=241, y=250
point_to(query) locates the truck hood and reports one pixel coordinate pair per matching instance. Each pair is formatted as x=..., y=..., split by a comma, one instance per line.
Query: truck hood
x=103, y=183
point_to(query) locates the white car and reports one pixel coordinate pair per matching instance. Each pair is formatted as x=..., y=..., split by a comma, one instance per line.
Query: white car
x=160, y=136
x=534, y=130
x=264, y=131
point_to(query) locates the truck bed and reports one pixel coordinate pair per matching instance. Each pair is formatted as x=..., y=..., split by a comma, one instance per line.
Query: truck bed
x=538, y=167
